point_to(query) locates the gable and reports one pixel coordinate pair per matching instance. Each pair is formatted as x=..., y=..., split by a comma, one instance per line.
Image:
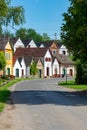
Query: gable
x=8, y=46
x=18, y=44
x=31, y=44
x=53, y=46
x=48, y=54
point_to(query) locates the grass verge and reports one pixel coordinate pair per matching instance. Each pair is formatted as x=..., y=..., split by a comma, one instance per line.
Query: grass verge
x=5, y=93
x=72, y=84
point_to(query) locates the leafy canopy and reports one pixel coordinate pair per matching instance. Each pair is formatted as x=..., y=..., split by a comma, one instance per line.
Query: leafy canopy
x=74, y=29
x=11, y=14
x=2, y=60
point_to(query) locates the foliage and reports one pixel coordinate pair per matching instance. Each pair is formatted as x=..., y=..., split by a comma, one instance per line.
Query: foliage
x=45, y=37
x=2, y=61
x=74, y=31
x=81, y=75
x=33, y=68
x=24, y=33
x=10, y=14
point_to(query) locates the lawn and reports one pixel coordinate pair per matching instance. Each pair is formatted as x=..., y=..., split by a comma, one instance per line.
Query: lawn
x=72, y=84
x=5, y=93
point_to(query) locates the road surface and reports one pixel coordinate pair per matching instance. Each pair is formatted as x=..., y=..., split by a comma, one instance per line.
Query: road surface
x=43, y=105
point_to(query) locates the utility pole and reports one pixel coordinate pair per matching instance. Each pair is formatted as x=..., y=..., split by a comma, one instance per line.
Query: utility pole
x=55, y=36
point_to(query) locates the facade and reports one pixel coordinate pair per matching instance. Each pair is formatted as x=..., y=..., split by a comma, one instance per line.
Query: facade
x=63, y=50
x=17, y=42
x=7, y=48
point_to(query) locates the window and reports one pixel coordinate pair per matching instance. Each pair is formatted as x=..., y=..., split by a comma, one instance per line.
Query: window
x=7, y=55
x=54, y=51
x=48, y=59
x=64, y=52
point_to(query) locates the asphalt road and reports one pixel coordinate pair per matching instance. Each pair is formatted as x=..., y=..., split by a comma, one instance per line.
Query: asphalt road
x=43, y=105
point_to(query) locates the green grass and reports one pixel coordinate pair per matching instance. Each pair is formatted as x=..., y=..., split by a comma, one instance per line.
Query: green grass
x=5, y=93
x=72, y=84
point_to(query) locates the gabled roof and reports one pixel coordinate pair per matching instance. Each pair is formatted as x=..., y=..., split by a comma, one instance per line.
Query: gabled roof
x=27, y=61
x=3, y=42
x=49, y=43
x=63, y=59
x=14, y=40
x=30, y=52
x=26, y=42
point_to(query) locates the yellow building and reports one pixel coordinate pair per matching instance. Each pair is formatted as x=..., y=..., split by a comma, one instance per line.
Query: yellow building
x=6, y=47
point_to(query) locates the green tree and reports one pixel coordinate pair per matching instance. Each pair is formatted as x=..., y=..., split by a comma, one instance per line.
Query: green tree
x=33, y=68
x=45, y=37
x=2, y=61
x=10, y=14
x=74, y=32
x=24, y=33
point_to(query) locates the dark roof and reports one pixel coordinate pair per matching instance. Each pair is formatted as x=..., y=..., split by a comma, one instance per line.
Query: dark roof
x=27, y=61
x=26, y=42
x=3, y=42
x=63, y=59
x=30, y=52
x=49, y=43
x=20, y=59
x=14, y=40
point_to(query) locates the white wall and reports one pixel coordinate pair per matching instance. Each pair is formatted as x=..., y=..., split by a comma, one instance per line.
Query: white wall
x=47, y=64
x=55, y=65
x=17, y=66
x=63, y=48
x=31, y=44
x=18, y=43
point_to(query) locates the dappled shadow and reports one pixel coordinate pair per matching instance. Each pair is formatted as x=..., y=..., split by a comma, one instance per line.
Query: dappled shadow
x=39, y=97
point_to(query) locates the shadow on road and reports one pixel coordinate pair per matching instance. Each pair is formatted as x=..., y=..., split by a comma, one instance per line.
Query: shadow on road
x=38, y=97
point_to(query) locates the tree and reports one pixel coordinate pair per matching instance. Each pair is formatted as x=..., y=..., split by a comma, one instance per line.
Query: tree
x=74, y=31
x=24, y=33
x=45, y=37
x=2, y=61
x=33, y=68
x=10, y=14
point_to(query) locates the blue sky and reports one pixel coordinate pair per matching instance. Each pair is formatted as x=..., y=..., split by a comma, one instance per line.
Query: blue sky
x=45, y=16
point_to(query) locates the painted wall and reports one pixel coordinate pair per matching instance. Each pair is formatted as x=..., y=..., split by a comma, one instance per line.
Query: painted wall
x=18, y=43
x=32, y=44
x=9, y=59
x=55, y=66
x=63, y=48
x=47, y=64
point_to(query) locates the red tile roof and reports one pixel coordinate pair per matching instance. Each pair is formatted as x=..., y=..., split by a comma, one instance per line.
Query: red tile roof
x=30, y=52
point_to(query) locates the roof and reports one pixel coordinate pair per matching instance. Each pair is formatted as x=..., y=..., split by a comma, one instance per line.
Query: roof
x=26, y=42
x=14, y=40
x=3, y=42
x=63, y=59
x=27, y=61
x=49, y=43
x=30, y=52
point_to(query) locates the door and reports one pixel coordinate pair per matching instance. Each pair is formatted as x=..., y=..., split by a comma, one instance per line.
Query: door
x=71, y=72
x=47, y=71
x=39, y=73
x=22, y=73
x=17, y=72
x=8, y=71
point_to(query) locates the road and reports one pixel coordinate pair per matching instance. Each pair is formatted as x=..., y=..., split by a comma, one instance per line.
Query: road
x=43, y=105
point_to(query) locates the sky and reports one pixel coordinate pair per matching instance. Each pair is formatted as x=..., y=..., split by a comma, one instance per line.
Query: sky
x=44, y=16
